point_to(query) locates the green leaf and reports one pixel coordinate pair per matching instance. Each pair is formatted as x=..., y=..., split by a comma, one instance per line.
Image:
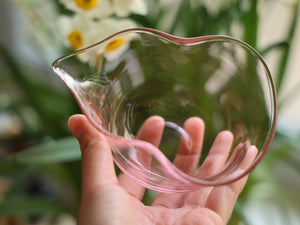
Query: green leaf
x=52, y=106
x=62, y=150
x=278, y=45
x=251, y=19
x=286, y=53
x=23, y=205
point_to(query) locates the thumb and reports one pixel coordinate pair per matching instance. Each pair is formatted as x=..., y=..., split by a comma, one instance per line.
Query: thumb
x=97, y=163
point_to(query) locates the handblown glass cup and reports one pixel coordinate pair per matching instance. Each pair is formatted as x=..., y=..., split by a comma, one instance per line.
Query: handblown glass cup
x=134, y=74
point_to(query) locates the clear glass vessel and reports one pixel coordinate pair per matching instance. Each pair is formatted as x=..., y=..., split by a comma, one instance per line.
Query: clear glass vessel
x=137, y=73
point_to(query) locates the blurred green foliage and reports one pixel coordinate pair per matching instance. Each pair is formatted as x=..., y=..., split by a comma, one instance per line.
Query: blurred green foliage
x=40, y=167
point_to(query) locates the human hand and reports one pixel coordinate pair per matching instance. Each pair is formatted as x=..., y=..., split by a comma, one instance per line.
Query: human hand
x=108, y=199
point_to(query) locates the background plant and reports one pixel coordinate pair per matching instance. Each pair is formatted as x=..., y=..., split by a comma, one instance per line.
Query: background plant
x=40, y=160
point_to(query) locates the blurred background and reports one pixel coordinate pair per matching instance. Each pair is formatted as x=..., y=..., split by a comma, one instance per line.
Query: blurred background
x=40, y=160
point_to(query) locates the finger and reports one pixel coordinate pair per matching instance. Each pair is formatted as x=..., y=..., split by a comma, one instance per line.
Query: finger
x=97, y=162
x=151, y=131
x=217, y=155
x=213, y=164
x=186, y=160
x=223, y=198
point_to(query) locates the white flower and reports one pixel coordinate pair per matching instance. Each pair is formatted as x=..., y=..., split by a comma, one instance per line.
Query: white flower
x=113, y=48
x=10, y=125
x=123, y=8
x=77, y=31
x=91, y=8
x=117, y=46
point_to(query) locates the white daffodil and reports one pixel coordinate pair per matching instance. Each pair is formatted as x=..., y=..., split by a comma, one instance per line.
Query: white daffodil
x=90, y=8
x=77, y=31
x=123, y=8
x=115, y=47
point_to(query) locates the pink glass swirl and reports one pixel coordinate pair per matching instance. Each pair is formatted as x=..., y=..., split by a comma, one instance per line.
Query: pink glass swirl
x=132, y=75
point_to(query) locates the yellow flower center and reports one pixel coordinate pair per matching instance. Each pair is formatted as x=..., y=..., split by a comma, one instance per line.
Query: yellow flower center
x=75, y=39
x=86, y=4
x=115, y=44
